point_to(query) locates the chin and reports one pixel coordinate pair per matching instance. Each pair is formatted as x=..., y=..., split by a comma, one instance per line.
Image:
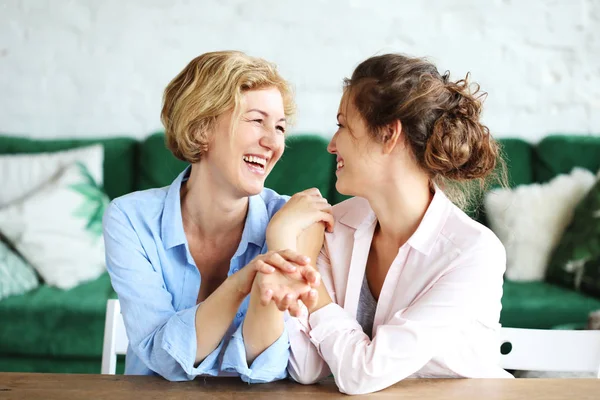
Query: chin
x=342, y=189
x=350, y=188
x=251, y=190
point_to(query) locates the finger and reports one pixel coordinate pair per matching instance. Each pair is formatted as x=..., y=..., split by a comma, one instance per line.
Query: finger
x=328, y=220
x=321, y=203
x=295, y=309
x=312, y=276
x=263, y=267
x=266, y=296
x=317, y=198
x=286, y=302
x=310, y=299
x=312, y=192
x=294, y=257
x=280, y=262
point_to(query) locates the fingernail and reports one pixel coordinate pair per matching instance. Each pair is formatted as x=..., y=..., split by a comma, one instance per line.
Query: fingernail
x=288, y=296
x=307, y=259
x=312, y=293
x=271, y=269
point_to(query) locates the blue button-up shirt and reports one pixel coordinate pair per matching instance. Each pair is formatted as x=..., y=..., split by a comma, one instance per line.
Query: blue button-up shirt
x=157, y=281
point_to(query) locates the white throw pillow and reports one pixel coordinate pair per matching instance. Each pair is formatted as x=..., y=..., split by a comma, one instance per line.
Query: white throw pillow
x=58, y=229
x=530, y=220
x=22, y=174
x=16, y=276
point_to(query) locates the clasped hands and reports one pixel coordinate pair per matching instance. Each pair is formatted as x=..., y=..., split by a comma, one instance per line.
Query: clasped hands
x=287, y=279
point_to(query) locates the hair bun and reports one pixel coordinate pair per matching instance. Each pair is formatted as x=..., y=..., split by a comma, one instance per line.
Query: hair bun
x=460, y=147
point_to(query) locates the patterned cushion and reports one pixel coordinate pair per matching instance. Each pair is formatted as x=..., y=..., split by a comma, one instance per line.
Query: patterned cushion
x=576, y=259
x=58, y=229
x=16, y=276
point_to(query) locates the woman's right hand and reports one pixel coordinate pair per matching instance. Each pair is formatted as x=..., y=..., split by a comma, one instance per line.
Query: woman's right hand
x=286, y=261
x=300, y=212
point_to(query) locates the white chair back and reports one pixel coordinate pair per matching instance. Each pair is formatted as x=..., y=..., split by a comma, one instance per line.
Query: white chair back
x=551, y=350
x=115, y=337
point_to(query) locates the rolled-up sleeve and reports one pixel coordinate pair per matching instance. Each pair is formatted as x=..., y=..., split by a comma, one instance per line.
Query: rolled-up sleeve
x=269, y=366
x=163, y=339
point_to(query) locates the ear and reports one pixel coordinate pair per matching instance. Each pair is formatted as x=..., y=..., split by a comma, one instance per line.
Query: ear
x=391, y=136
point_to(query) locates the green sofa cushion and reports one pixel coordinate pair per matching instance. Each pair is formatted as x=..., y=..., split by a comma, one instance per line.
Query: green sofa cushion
x=52, y=322
x=119, y=157
x=305, y=163
x=542, y=305
x=558, y=154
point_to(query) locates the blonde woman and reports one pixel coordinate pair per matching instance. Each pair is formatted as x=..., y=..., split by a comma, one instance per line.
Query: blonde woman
x=192, y=263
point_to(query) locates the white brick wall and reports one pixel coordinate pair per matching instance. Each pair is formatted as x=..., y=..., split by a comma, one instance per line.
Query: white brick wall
x=98, y=67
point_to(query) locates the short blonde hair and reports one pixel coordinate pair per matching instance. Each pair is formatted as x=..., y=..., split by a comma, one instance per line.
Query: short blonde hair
x=210, y=85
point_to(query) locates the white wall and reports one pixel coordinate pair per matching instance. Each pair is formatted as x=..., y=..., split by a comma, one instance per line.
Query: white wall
x=98, y=68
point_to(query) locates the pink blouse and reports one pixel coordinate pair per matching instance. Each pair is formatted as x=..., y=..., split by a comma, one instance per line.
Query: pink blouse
x=437, y=314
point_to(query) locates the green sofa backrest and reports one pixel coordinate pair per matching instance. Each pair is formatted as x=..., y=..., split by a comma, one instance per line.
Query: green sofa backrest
x=136, y=165
x=554, y=155
x=518, y=155
x=558, y=154
x=119, y=157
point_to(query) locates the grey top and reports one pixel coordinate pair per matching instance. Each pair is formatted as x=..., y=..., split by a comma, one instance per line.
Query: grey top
x=367, y=306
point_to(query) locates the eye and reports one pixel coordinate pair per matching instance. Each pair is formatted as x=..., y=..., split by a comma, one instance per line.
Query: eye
x=259, y=120
x=280, y=128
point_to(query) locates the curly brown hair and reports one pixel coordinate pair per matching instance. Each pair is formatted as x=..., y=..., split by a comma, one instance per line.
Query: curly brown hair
x=440, y=121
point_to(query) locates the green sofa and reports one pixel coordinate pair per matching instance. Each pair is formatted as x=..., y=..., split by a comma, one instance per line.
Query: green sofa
x=49, y=330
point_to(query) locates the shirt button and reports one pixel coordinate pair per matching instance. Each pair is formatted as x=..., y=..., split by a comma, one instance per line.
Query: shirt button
x=239, y=315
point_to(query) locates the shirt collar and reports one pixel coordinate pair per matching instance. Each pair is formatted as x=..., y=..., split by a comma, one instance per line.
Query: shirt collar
x=362, y=217
x=171, y=223
x=432, y=223
x=172, y=231
x=255, y=226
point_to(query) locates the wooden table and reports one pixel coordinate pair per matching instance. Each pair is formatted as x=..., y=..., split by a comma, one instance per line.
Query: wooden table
x=114, y=387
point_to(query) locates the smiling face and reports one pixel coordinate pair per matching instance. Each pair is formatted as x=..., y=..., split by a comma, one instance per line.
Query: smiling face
x=358, y=167
x=242, y=153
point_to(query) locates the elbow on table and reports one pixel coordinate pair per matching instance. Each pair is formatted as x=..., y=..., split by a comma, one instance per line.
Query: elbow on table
x=352, y=386
x=172, y=375
x=306, y=377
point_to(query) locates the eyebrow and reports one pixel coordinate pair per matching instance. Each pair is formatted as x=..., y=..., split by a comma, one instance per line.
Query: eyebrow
x=265, y=114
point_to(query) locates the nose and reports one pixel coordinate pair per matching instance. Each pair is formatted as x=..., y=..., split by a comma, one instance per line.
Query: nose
x=269, y=138
x=331, y=146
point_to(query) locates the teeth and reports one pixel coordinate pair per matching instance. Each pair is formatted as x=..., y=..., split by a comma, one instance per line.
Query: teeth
x=257, y=160
x=340, y=164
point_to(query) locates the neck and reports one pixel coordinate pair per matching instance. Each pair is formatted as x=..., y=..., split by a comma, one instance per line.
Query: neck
x=400, y=206
x=207, y=209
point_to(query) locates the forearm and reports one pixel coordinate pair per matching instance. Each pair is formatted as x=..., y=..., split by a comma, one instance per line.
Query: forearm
x=213, y=318
x=308, y=243
x=263, y=325
x=323, y=299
